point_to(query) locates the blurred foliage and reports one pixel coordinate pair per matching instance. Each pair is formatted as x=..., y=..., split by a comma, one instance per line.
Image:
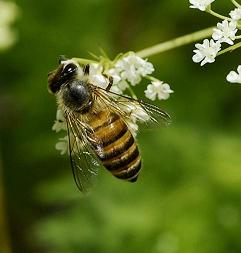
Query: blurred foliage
x=187, y=198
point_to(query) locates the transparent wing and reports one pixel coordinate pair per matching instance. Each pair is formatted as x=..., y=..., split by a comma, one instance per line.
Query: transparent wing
x=125, y=106
x=84, y=162
x=154, y=112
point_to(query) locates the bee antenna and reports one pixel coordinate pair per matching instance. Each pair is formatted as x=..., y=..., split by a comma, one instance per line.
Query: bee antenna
x=86, y=69
x=62, y=58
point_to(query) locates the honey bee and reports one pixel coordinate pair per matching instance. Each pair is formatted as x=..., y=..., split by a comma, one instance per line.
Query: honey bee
x=97, y=124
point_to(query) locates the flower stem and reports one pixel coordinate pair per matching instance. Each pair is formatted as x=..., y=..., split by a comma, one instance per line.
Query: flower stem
x=230, y=48
x=215, y=14
x=236, y=4
x=150, y=78
x=180, y=41
x=131, y=92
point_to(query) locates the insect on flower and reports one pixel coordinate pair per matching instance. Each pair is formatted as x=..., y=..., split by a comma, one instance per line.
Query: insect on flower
x=101, y=124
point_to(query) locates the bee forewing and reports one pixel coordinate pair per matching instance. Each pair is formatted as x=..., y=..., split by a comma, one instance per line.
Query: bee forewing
x=128, y=107
x=84, y=163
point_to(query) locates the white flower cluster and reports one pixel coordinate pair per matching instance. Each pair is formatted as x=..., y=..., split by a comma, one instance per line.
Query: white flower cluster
x=129, y=70
x=224, y=33
x=132, y=68
x=8, y=14
x=126, y=71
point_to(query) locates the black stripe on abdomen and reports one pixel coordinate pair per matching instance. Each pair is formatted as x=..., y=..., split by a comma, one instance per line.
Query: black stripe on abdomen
x=129, y=173
x=118, y=147
x=123, y=159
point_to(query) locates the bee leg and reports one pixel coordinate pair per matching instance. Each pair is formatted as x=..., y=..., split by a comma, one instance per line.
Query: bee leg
x=86, y=69
x=110, y=83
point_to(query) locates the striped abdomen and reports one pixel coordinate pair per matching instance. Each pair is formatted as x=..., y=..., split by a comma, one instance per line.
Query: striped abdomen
x=119, y=152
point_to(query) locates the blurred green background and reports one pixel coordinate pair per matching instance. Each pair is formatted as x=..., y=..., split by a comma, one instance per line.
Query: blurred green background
x=188, y=197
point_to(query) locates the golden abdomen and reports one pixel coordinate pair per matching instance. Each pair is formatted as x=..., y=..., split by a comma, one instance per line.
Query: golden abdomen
x=120, y=154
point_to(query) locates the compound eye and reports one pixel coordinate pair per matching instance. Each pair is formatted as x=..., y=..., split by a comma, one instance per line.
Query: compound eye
x=70, y=68
x=68, y=72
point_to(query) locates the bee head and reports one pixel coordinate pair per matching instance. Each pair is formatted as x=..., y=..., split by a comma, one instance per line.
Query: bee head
x=63, y=74
x=69, y=83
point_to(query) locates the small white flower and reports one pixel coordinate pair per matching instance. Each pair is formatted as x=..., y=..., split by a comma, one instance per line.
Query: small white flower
x=129, y=72
x=225, y=32
x=62, y=145
x=96, y=75
x=158, y=89
x=200, y=4
x=145, y=68
x=235, y=14
x=122, y=85
x=234, y=77
x=132, y=68
x=60, y=123
x=206, y=52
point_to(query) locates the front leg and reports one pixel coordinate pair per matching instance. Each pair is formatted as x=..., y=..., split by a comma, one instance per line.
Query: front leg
x=110, y=78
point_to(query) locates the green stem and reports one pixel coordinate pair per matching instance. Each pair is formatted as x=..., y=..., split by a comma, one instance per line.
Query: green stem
x=238, y=37
x=215, y=14
x=236, y=4
x=230, y=48
x=131, y=92
x=180, y=41
x=151, y=78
